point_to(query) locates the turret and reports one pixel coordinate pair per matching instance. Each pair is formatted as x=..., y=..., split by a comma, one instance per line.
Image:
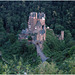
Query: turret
x=36, y=15
x=62, y=35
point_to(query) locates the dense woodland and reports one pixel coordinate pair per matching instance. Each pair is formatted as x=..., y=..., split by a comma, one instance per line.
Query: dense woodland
x=20, y=56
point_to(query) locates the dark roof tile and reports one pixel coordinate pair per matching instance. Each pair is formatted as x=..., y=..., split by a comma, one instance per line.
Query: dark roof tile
x=38, y=23
x=42, y=32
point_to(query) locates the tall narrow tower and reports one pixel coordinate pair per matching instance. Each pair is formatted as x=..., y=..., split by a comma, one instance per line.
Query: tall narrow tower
x=36, y=25
x=62, y=35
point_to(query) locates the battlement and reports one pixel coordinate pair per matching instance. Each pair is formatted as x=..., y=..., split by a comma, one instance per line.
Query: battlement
x=37, y=15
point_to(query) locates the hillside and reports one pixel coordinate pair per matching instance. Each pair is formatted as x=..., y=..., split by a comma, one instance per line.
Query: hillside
x=19, y=57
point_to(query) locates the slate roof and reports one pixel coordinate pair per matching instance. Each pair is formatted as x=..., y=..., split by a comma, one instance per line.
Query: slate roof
x=38, y=23
x=33, y=14
x=24, y=31
x=42, y=32
x=40, y=15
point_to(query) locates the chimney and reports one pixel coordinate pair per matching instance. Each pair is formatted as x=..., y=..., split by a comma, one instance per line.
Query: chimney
x=62, y=35
x=36, y=15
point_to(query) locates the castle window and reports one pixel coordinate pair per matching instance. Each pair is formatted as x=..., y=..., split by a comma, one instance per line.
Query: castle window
x=43, y=18
x=35, y=27
x=29, y=26
x=43, y=27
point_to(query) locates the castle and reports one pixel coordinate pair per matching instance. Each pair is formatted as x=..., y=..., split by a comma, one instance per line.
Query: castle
x=36, y=27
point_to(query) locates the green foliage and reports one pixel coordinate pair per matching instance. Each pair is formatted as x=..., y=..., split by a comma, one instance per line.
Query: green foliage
x=1, y=25
x=2, y=33
x=20, y=49
x=29, y=38
x=59, y=51
x=14, y=18
x=72, y=50
x=73, y=33
x=53, y=42
x=14, y=67
x=68, y=36
x=70, y=43
x=46, y=49
x=58, y=28
x=69, y=65
x=46, y=68
x=58, y=15
x=12, y=37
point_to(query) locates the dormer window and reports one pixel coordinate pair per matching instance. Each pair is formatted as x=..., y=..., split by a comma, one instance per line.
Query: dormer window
x=35, y=27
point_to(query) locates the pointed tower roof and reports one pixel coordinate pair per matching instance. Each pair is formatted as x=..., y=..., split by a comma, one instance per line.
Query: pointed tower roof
x=38, y=23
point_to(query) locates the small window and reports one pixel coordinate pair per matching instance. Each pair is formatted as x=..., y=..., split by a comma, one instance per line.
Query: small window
x=43, y=18
x=35, y=27
x=29, y=26
x=43, y=27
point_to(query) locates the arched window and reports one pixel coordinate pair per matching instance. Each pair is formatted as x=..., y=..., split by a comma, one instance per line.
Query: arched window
x=43, y=27
x=35, y=27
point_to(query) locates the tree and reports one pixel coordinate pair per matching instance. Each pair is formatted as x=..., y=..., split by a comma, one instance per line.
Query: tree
x=58, y=28
x=1, y=25
x=68, y=36
x=46, y=68
x=12, y=37
x=29, y=38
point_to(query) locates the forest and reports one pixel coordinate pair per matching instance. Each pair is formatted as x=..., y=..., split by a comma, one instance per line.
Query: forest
x=18, y=57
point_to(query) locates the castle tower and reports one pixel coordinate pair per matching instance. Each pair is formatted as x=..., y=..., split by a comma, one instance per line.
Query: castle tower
x=62, y=35
x=32, y=21
x=36, y=24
